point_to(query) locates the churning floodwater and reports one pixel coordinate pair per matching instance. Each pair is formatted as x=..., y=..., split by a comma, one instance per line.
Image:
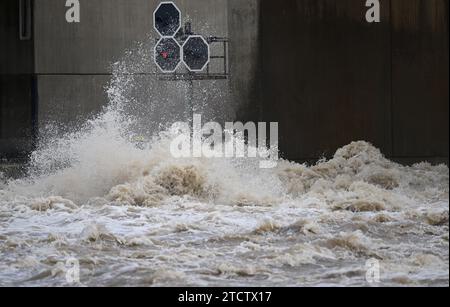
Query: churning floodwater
x=110, y=195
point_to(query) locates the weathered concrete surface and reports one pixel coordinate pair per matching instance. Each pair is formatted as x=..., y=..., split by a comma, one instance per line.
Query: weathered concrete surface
x=420, y=72
x=329, y=77
x=11, y=170
x=108, y=28
x=15, y=115
x=326, y=75
x=16, y=84
x=15, y=108
x=244, y=61
x=16, y=56
x=67, y=101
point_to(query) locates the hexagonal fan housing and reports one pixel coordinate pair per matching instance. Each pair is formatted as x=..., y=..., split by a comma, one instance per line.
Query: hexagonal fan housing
x=196, y=53
x=167, y=54
x=167, y=19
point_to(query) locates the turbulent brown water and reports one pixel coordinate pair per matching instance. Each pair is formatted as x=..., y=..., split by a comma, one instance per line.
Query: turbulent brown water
x=139, y=217
x=134, y=216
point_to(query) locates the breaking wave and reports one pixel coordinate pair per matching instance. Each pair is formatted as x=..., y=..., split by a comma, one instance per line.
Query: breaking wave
x=112, y=196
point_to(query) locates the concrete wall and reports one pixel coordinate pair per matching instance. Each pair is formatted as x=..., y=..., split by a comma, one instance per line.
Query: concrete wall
x=329, y=77
x=17, y=85
x=16, y=115
x=244, y=61
x=108, y=28
x=420, y=76
x=74, y=61
x=70, y=65
x=16, y=56
x=315, y=66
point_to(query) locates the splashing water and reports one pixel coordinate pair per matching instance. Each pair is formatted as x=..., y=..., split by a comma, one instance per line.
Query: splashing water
x=133, y=215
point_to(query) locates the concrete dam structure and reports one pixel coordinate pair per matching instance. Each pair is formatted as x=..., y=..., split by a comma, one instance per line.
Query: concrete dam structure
x=224, y=143
x=316, y=67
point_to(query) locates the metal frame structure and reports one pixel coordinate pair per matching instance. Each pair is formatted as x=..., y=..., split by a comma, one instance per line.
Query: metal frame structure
x=189, y=76
x=206, y=74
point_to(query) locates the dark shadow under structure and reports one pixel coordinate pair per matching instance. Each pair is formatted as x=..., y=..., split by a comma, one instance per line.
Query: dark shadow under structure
x=18, y=86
